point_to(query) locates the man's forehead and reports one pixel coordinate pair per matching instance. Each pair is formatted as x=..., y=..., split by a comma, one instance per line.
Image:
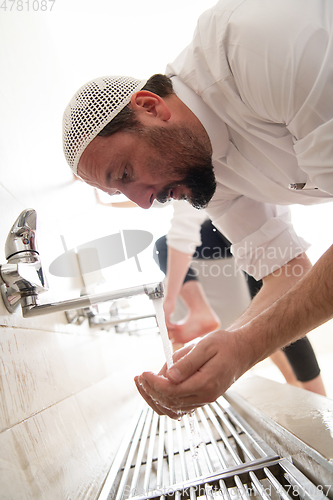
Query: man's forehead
x=102, y=159
x=94, y=153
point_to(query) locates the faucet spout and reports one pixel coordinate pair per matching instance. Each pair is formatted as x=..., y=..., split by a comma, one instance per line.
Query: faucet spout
x=24, y=275
x=31, y=307
x=155, y=291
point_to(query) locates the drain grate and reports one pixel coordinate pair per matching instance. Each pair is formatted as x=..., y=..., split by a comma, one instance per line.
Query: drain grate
x=214, y=454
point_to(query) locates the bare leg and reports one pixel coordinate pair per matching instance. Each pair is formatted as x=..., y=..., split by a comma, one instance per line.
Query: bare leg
x=280, y=360
x=315, y=385
x=200, y=320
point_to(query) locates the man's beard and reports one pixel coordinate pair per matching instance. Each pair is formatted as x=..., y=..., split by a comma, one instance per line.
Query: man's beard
x=186, y=157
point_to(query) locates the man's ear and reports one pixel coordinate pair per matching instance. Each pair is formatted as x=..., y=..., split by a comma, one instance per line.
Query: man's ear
x=148, y=105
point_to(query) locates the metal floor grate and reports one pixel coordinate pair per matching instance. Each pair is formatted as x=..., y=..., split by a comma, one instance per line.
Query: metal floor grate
x=165, y=459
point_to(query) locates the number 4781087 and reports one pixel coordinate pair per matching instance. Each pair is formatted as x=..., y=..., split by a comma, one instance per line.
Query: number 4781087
x=27, y=5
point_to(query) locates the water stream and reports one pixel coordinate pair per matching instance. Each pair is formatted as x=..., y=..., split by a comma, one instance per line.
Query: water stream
x=167, y=347
x=158, y=304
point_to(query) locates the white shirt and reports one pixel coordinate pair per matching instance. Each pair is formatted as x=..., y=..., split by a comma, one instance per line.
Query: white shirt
x=258, y=74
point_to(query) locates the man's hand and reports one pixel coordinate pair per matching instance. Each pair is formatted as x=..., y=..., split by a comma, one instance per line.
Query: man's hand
x=286, y=308
x=200, y=374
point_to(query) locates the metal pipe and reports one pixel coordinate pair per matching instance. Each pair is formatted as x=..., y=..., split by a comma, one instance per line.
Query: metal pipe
x=235, y=435
x=196, y=465
x=30, y=306
x=211, y=437
x=223, y=435
x=161, y=431
x=181, y=452
x=139, y=457
x=258, y=486
x=201, y=447
x=171, y=452
x=243, y=493
x=98, y=321
x=131, y=453
x=120, y=457
x=152, y=438
x=262, y=448
x=224, y=490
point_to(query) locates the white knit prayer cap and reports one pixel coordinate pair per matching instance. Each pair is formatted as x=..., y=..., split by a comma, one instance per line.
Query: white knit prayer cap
x=91, y=108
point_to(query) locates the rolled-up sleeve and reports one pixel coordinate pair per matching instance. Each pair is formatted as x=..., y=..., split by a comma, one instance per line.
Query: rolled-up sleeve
x=262, y=235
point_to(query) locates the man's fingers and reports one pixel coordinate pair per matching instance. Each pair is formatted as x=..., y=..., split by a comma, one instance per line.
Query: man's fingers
x=158, y=408
x=173, y=396
x=201, y=373
x=188, y=361
x=181, y=353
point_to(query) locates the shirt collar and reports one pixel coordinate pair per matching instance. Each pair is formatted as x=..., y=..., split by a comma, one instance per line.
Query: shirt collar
x=215, y=127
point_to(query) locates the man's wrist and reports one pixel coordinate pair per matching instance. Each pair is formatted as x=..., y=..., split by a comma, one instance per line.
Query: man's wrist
x=251, y=344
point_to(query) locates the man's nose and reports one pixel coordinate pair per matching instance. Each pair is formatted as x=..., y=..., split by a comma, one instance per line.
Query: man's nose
x=143, y=197
x=112, y=192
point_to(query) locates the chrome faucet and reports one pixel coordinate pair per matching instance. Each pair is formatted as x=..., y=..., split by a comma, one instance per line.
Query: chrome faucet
x=22, y=277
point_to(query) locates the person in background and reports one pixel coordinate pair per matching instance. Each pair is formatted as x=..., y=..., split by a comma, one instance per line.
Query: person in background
x=191, y=229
